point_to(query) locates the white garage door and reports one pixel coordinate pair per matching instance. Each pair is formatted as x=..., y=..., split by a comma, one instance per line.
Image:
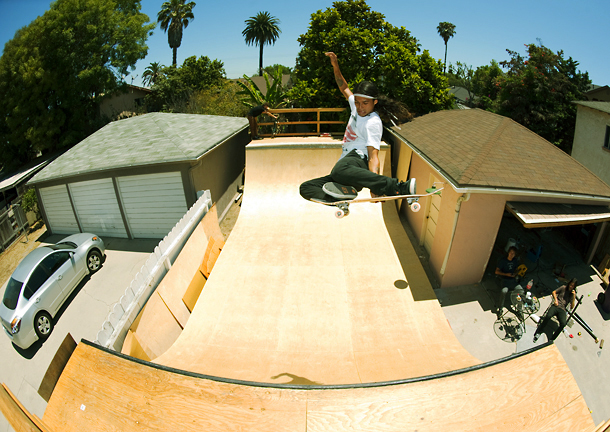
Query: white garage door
x=58, y=209
x=97, y=207
x=153, y=203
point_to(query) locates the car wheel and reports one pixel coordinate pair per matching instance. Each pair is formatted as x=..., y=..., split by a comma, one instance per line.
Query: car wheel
x=43, y=324
x=94, y=261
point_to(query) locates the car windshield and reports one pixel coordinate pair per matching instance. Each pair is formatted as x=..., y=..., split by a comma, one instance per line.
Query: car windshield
x=11, y=295
x=66, y=245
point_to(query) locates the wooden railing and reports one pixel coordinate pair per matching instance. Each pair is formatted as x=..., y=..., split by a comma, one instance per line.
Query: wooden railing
x=276, y=126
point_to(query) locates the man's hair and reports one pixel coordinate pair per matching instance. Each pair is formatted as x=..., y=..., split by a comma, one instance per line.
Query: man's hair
x=388, y=109
x=512, y=248
x=266, y=104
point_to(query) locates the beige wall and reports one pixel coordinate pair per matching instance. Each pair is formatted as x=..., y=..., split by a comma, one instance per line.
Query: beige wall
x=588, y=148
x=122, y=103
x=476, y=227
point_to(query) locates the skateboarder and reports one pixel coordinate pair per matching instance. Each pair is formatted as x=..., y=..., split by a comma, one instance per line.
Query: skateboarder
x=561, y=297
x=358, y=166
x=253, y=114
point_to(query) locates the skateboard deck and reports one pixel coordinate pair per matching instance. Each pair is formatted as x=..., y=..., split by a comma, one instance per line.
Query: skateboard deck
x=412, y=200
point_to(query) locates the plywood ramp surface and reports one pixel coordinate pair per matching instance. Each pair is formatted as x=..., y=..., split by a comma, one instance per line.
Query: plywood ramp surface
x=298, y=296
x=103, y=392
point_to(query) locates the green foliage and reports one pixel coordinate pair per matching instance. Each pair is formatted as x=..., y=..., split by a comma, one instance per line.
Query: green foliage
x=271, y=69
x=484, y=84
x=174, y=86
x=368, y=48
x=538, y=91
x=276, y=95
x=29, y=201
x=461, y=75
x=152, y=73
x=173, y=17
x=260, y=30
x=220, y=100
x=55, y=72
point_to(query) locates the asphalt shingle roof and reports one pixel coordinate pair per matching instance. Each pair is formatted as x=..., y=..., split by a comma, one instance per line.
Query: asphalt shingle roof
x=143, y=140
x=476, y=148
x=600, y=106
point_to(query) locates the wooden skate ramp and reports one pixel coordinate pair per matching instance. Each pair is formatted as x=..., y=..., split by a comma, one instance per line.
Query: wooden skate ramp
x=298, y=296
x=311, y=323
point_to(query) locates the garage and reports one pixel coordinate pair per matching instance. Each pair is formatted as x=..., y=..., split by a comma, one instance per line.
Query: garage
x=137, y=177
x=153, y=203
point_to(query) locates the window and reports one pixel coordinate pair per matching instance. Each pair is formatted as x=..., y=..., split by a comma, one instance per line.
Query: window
x=38, y=277
x=46, y=268
x=607, y=139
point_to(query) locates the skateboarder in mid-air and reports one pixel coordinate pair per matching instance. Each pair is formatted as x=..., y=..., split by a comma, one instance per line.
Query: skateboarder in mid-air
x=358, y=166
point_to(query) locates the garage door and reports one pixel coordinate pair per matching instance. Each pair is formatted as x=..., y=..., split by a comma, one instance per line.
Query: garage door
x=153, y=203
x=58, y=209
x=97, y=207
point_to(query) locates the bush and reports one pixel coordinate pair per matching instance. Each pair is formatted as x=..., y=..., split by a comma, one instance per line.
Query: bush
x=29, y=201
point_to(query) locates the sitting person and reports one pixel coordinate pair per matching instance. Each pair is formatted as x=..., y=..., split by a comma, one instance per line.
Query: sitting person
x=506, y=272
x=358, y=167
x=562, y=296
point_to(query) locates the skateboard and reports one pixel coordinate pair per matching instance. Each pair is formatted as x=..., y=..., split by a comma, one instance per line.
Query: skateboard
x=412, y=200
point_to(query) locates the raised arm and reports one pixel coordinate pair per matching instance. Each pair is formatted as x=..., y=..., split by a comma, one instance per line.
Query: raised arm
x=341, y=82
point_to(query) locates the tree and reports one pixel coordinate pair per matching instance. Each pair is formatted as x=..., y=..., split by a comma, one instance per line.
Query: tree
x=260, y=30
x=461, y=75
x=55, y=72
x=484, y=84
x=446, y=30
x=273, y=68
x=368, y=48
x=276, y=95
x=174, y=16
x=538, y=91
x=152, y=73
x=176, y=85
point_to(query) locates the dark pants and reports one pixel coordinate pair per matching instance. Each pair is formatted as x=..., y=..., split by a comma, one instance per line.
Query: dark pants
x=561, y=315
x=350, y=170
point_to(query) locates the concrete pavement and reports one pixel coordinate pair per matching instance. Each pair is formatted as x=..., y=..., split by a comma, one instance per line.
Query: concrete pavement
x=81, y=316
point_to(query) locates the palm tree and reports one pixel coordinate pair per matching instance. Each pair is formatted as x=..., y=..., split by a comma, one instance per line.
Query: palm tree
x=260, y=30
x=174, y=16
x=151, y=74
x=446, y=30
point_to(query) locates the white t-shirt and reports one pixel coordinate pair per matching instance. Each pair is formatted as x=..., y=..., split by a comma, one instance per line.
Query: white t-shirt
x=361, y=132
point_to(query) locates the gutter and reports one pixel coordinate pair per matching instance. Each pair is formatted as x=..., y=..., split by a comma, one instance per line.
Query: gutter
x=498, y=191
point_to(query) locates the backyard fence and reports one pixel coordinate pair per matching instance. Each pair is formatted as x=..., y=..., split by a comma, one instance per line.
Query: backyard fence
x=125, y=311
x=12, y=223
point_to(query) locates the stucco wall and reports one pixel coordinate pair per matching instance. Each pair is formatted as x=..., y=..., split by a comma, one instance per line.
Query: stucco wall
x=476, y=230
x=588, y=148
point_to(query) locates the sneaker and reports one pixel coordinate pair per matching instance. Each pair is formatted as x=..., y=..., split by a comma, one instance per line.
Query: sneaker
x=340, y=191
x=536, y=336
x=407, y=188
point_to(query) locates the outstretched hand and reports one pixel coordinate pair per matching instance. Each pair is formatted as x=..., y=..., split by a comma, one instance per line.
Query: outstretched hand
x=333, y=57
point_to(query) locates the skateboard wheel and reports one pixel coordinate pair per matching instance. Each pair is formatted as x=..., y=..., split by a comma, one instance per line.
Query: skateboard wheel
x=339, y=214
x=415, y=206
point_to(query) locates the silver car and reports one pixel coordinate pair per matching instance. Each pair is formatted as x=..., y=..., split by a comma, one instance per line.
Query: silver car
x=42, y=282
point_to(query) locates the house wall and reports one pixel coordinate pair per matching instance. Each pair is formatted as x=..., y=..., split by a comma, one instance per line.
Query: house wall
x=218, y=169
x=122, y=103
x=476, y=227
x=588, y=148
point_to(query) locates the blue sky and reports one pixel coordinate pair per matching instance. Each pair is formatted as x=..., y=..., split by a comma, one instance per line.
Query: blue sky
x=484, y=30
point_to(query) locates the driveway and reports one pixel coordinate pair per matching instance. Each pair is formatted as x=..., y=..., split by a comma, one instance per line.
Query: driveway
x=81, y=316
